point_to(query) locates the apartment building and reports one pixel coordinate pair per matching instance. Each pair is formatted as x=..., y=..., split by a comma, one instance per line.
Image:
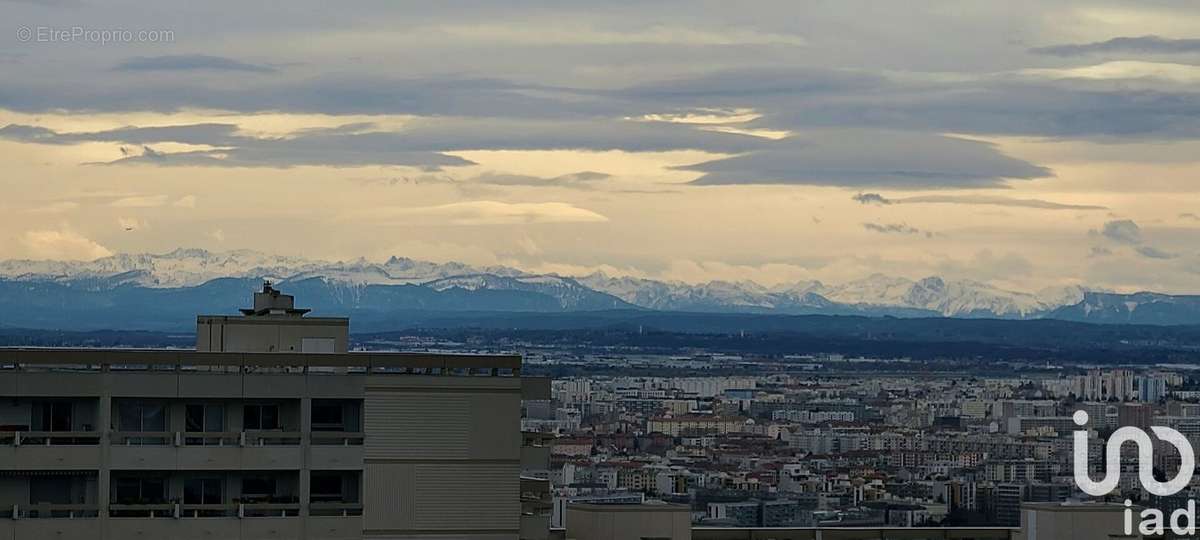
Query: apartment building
x=270, y=429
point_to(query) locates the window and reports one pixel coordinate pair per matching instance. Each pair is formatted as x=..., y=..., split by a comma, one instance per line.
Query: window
x=54, y=416
x=141, y=416
x=140, y=490
x=328, y=416
x=256, y=488
x=204, y=417
x=51, y=490
x=261, y=417
x=202, y=491
x=326, y=487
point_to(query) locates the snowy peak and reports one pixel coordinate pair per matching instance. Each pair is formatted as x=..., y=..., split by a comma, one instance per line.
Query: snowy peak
x=953, y=298
x=877, y=294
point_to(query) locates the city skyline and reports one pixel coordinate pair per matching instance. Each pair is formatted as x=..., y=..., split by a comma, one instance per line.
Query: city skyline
x=1048, y=145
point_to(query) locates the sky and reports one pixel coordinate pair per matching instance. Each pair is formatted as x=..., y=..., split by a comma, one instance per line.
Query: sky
x=1024, y=144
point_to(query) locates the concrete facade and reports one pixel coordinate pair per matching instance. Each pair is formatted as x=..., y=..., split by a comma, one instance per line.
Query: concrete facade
x=246, y=444
x=629, y=521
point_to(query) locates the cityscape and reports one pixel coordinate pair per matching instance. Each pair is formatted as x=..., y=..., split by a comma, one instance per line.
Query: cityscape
x=599, y=270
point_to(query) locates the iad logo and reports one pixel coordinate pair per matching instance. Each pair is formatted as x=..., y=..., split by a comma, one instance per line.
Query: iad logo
x=1183, y=521
x=1112, y=463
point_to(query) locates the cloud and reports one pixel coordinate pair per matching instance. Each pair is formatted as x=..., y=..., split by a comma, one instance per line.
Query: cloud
x=62, y=244
x=59, y=207
x=189, y=62
x=1154, y=253
x=1123, y=45
x=1126, y=232
x=986, y=265
x=422, y=143
x=895, y=228
x=186, y=201
x=871, y=198
x=1005, y=103
x=586, y=34
x=140, y=201
x=993, y=200
x=860, y=158
x=1190, y=216
x=1099, y=251
x=487, y=213
x=1123, y=231
x=1125, y=70
x=580, y=180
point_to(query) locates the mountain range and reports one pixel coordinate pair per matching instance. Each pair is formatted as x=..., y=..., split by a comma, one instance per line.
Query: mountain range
x=165, y=291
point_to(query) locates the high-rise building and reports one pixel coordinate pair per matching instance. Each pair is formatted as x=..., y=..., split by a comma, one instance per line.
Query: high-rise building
x=270, y=429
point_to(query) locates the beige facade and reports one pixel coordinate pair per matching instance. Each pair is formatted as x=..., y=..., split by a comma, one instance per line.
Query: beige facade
x=157, y=444
x=1080, y=521
x=170, y=444
x=628, y=521
x=697, y=424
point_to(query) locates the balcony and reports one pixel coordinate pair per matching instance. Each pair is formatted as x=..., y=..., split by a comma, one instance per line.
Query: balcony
x=334, y=450
x=28, y=450
x=55, y=511
x=207, y=450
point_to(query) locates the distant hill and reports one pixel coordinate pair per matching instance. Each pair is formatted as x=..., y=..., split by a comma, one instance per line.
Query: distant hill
x=1137, y=308
x=166, y=291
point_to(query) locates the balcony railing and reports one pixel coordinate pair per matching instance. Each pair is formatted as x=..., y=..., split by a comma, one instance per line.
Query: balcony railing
x=343, y=509
x=207, y=510
x=159, y=510
x=50, y=438
x=183, y=511
x=269, y=510
x=336, y=438
x=142, y=438
x=206, y=438
x=57, y=511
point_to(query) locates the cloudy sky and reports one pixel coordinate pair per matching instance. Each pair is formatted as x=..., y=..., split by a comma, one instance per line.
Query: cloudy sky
x=1022, y=143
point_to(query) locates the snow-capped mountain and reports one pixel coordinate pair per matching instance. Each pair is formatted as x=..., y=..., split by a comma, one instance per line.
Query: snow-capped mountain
x=712, y=296
x=192, y=267
x=932, y=295
x=400, y=284
x=956, y=298
x=179, y=268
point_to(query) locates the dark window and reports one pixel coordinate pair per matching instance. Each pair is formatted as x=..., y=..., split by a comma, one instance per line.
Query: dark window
x=51, y=490
x=55, y=416
x=326, y=487
x=141, y=416
x=202, y=491
x=261, y=417
x=328, y=416
x=140, y=491
x=258, y=487
x=205, y=417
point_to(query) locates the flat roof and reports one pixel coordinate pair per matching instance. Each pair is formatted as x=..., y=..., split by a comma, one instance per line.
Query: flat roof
x=622, y=507
x=273, y=320
x=51, y=356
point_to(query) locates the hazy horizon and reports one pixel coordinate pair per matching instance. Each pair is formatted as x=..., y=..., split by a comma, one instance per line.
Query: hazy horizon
x=1020, y=144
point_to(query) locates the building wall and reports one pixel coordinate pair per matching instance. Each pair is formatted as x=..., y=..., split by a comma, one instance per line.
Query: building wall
x=442, y=457
x=267, y=334
x=625, y=522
